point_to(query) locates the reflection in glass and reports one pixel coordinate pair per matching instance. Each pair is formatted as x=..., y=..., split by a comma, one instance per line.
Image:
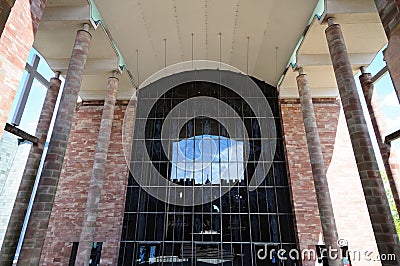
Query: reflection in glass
x=228, y=230
x=207, y=159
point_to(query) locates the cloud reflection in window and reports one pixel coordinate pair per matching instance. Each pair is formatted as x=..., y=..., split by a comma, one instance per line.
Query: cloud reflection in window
x=207, y=159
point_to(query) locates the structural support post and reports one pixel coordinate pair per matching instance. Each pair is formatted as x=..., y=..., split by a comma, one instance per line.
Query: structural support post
x=317, y=165
x=389, y=160
x=371, y=181
x=389, y=12
x=98, y=174
x=392, y=58
x=44, y=199
x=16, y=221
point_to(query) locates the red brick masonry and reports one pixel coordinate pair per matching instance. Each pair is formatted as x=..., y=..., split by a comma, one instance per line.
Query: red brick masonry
x=15, y=44
x=389, y=11
x=68, y=210
x=69, y=205
x=301, y=179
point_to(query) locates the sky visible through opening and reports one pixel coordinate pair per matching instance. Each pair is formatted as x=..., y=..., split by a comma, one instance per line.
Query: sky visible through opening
x=388, y=101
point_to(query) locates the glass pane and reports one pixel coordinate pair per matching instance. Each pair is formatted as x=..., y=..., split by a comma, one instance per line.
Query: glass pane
x=34, y=103
x=201, y=151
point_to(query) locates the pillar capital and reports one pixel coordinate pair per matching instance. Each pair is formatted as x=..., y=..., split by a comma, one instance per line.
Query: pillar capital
x=300, y=70
x=114, y=75
x=363, y=70
x=331, y=21
x=86, y=27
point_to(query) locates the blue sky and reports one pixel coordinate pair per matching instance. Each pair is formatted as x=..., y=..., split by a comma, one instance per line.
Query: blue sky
x=35, y=100
x=388, y=101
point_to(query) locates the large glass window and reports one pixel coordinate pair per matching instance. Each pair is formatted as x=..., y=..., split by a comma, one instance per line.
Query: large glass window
x=229, y=230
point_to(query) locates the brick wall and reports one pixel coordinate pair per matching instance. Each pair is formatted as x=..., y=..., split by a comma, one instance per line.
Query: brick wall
x=346, y=193
x=69, y=206
x=15, y=43
x=305, y=205
x=8, y=149
x=9, y=194
x=352, y=219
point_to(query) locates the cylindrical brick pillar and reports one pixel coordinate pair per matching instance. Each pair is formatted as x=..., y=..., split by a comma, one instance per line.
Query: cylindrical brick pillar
x=17, y=217
x=43, y=203
x=371, y=181
x=389, y=159
x=97, y=175
x=389, y=12
x=392, y=59
x=317, y=165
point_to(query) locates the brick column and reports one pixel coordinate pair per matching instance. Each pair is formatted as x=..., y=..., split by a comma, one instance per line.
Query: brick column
x=43, y=203
x=389, y=12
x=317, y=164
x=390, y=161
x=392, y=58
x=97, y=175
x=15, y=44
x=15, y=224
x=374, y=192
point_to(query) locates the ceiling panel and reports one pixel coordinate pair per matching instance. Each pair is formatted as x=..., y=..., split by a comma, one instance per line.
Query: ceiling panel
x=143, y=25
x=209, y=30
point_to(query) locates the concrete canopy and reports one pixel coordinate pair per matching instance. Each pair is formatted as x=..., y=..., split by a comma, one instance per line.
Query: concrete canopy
x=55, y=38
x=143, y=25
x=364, y=36
x=257, y=37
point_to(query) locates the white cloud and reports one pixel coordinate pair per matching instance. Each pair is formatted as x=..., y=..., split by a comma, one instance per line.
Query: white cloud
x=392, y=124
x=391, y=100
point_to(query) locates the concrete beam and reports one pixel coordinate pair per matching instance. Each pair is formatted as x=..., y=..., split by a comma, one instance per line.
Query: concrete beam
x=392, y=137
x=324, y=59
x=93, y=65
x=348, y=6
x=292, y=92
x=20, y=133
x=98, y=94
x=67, y=13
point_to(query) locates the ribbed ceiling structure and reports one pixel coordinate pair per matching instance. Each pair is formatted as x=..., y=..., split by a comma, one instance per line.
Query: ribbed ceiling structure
x=257, y=37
